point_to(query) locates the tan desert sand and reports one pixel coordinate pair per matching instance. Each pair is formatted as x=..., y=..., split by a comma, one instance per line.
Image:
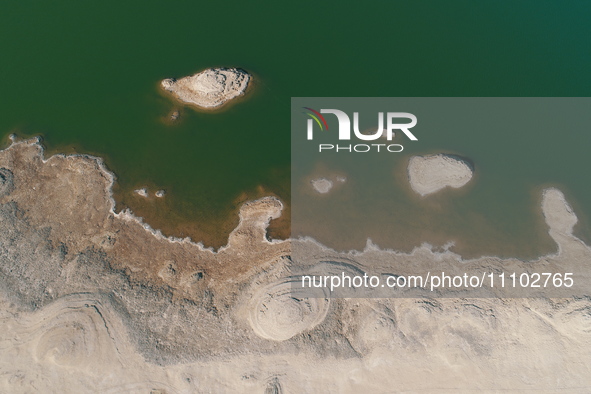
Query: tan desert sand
x=96, y=301
x=429, y=174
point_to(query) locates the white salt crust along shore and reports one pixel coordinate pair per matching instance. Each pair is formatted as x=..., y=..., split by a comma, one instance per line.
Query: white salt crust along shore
x=429, y=174
x=83, y=327
x=209, y=88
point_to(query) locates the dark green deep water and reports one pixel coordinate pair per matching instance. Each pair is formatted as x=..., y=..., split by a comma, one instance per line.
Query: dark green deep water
x=84, y=75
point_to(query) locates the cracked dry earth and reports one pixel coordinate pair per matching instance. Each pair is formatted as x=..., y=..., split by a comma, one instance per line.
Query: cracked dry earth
x=95, y=301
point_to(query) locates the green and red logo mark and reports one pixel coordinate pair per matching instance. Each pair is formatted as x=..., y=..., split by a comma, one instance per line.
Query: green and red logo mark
x=317, y=117
x=388, y=124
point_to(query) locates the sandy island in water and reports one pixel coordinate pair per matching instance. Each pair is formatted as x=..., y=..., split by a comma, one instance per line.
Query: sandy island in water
x=209, y=88
x=429, y=174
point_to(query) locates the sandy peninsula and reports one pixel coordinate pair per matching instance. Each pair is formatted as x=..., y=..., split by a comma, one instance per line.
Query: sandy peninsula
x=210, y=88
x=429, y=174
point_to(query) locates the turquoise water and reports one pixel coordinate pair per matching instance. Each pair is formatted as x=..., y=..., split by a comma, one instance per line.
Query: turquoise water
x=84, y=75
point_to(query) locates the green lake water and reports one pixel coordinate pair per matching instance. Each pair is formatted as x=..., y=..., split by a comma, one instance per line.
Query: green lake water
x=84, y=76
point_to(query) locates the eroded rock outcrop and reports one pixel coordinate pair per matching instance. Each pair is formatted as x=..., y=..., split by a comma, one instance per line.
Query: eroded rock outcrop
x=210, y=88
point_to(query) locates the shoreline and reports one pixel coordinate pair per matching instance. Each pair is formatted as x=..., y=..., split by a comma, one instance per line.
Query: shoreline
x=121, y=195
x=427, y=247
x=128, y=213
x=434, y=219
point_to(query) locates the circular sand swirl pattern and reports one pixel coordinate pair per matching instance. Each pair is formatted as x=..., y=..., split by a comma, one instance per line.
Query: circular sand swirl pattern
x=276, y=314
x=71, y=338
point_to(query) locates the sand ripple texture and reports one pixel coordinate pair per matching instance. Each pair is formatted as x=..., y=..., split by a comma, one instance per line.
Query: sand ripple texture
x=209, y=88
x=429, y=174
x=277, y=315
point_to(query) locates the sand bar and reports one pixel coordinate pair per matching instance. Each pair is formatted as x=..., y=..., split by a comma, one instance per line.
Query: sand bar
x=429, y=174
